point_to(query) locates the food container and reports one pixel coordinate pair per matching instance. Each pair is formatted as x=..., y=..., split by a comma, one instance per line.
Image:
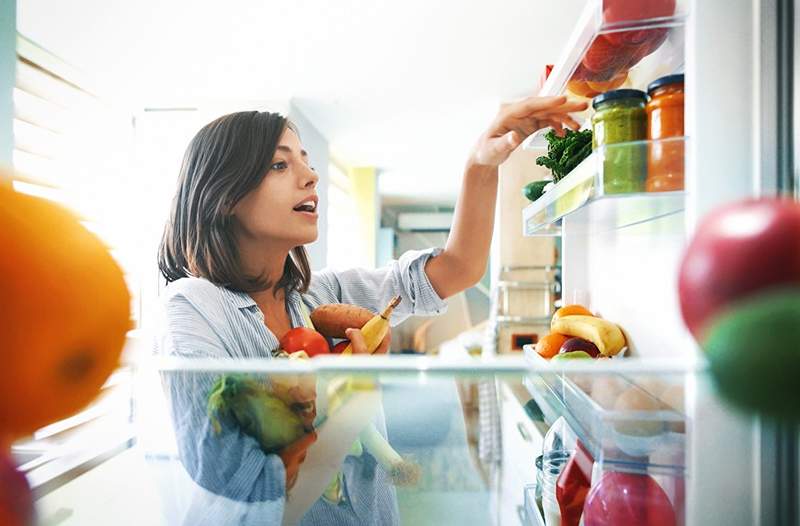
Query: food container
x=522, y=298
x=665, y=159
x=620, y=117
x=553, y=464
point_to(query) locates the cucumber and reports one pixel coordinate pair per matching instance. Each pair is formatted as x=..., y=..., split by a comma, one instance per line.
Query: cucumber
x=533, y=191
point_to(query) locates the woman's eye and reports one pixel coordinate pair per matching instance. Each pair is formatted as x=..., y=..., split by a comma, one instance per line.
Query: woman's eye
x=280, y=165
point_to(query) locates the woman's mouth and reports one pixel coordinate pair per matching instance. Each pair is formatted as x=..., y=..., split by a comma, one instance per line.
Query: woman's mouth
x=307, y=208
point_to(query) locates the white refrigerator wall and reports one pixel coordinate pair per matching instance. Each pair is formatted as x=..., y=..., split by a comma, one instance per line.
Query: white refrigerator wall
x=629, y=276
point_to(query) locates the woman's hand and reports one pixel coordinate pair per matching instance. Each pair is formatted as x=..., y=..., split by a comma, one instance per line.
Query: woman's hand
x=293, y=455
x=518, y=120
x=360, y=346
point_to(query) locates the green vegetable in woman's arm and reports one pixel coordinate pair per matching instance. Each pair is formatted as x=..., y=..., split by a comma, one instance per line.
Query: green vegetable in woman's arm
x=401, y=472
x=255, y=410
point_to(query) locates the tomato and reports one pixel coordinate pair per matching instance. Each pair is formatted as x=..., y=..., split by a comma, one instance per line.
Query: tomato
x=627, y=38
x=615, y=11
x=656, y=37
x=339, y=347
x=304, y=339
x=601, y=55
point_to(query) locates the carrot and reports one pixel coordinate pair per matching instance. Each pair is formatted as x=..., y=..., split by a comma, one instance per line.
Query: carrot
x=333, y=319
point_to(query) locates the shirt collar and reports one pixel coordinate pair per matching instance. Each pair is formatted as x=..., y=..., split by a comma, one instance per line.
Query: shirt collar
x=241, y=300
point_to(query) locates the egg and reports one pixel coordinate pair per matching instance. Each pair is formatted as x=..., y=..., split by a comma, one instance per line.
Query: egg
x=672, y=397
x=605, y=390
x=634, y=399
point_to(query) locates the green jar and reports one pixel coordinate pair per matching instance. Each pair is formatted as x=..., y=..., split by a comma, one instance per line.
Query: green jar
x=620, y=117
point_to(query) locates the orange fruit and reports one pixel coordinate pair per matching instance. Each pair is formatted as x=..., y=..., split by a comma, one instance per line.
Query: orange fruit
x=549, y=345
x=572, y=310
x=66, y=311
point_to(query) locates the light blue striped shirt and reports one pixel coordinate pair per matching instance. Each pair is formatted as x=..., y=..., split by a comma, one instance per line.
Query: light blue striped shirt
x=205, y=320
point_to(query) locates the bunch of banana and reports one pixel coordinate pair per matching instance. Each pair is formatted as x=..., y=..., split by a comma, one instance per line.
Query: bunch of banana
x=374, y=331
x=605, y=335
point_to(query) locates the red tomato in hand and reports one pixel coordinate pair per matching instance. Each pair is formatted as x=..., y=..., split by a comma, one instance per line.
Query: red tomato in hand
x=304, y=339
x=339, y=347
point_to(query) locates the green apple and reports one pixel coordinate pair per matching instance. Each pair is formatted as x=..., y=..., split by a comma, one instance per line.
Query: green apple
x=754, y=355
x=574, y=355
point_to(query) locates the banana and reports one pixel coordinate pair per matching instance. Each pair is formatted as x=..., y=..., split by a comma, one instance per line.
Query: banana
x=605, y=335
x=374, y=331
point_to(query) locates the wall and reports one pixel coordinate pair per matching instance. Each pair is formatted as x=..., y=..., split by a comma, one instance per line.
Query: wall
x=318, y=154
x=8, y=61
x=510, y=247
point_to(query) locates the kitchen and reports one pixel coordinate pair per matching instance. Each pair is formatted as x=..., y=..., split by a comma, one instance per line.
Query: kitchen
x=601, y=370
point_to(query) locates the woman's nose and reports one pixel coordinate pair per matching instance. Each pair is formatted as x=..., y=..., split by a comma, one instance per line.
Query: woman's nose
x=310, y=177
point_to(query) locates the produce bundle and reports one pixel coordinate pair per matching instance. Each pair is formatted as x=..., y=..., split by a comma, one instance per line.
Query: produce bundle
x=565, y=153
x=278, y=412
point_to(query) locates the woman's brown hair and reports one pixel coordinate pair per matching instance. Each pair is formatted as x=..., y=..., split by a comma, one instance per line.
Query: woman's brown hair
x=225, y=161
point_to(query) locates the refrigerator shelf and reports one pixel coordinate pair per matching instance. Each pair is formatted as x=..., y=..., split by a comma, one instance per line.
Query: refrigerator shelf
x=588, y=189
x=622, y=53
x=645, y=441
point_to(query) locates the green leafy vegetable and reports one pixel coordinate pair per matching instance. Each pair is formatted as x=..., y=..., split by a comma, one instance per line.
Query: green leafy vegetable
x=256, y=410
x=565, y=153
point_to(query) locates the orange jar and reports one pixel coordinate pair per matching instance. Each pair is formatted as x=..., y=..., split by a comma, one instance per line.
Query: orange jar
x=665, y=159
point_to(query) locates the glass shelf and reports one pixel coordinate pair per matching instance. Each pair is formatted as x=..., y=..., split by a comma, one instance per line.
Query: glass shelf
x=649, y=437
x=607, y=51
x=594, y=186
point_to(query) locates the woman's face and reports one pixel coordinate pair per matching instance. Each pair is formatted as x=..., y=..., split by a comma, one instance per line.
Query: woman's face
x=283, y=207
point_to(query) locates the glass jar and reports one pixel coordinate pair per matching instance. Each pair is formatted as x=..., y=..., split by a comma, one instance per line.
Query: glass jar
x=620, y=117
x=665, y=160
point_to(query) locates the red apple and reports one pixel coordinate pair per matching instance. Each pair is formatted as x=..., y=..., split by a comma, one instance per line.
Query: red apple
x=16, y=502
x=579, y=344
x=631, y=499
x=738, y=250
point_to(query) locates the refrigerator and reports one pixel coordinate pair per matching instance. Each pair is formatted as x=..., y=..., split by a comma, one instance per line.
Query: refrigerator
x=463, y=437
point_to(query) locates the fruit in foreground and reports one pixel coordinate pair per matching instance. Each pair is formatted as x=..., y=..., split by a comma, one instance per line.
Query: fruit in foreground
x=739, y=250
x=16, y=501
x=66, y=312
x=754, y=354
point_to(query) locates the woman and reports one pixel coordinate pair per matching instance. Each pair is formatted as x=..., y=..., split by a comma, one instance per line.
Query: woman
x=233, y=253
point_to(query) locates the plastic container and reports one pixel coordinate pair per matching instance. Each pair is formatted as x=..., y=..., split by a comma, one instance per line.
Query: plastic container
x=552, y=466
x=665, y=159
x=620, y=117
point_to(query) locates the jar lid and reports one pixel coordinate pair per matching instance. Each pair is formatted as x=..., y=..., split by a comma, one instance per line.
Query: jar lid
x=619, y=94
x=664, y=81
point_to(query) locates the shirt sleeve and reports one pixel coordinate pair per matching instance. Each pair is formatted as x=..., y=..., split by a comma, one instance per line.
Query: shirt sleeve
x=228, y=463
x=373, y=289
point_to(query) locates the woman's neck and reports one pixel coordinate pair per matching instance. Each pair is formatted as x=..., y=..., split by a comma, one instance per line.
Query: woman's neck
x=265, y=260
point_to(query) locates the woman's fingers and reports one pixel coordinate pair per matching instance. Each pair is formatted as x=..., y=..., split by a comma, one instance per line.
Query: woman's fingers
x=357, y=340
x=544, y=105
x=383, y=348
